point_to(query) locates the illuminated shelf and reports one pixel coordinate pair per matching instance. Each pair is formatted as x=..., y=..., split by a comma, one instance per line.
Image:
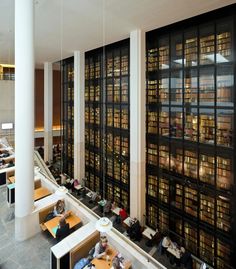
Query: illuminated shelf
x=107, y=131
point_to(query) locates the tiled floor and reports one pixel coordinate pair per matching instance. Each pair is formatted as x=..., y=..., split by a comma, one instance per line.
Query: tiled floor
x=33, y=253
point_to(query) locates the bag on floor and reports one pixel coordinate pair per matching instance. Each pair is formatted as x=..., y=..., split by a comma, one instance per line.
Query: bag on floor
x=49, y=216
x=81, y=263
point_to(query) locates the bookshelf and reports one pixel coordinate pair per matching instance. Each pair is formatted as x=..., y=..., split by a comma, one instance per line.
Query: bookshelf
x=67, y=69
x=190, y=132
x=107, y=97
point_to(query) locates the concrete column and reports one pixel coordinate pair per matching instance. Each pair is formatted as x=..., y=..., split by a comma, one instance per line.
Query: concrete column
x=79, y=120
x=137, y=124
x=48, y=112
x=24, y=117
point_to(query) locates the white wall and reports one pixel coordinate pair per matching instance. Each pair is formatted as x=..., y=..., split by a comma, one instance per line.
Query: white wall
x=7, y=110
x=7, y=95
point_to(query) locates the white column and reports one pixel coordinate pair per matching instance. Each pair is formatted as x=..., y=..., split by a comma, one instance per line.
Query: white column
x=79, y=120
x=137, y=124
x=48, y=112
x=24, y=117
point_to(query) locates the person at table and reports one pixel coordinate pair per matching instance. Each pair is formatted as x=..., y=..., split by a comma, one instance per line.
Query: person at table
x=134, y=231
x=101, y=248
x=59, y=209
x=63, y=229
x=122, y=215
x=166, y=242
x=93, y=197
x=11, y=164
x=117, y=263
x=107, y=207
x=186, y=258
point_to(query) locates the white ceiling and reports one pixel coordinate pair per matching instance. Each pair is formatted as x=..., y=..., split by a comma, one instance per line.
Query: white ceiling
x=63, y=26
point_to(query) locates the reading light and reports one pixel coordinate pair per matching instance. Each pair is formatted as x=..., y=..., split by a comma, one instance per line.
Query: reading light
x=61, y=191
x=103, y=225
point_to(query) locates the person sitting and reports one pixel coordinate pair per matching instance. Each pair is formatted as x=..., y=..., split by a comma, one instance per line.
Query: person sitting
x=186, y=258
x=165, y=243
x=58, y=211
x=107, y=207
x=70, y=184
x=11, y=164
x=93, y=197
x=134, y=231
x=63, y=229
x=122, y=215
x=101, y=248
x=118, y=262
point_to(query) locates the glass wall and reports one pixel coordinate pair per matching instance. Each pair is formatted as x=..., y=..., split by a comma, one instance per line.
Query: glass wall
x=190, y=135
x=68, y=115
x=107, y=120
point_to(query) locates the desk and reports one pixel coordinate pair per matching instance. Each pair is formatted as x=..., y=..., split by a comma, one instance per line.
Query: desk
x=78, y=187
x=174, y=251
x=90, y=194
x=40, y=193
x=148, y=232
x=12, y=179
x=72, y=219
x=128, y=221
x=116, y=211
x=103, y=263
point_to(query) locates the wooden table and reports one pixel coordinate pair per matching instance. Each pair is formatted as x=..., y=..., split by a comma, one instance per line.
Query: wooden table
x=103, y=263
x=51, y=225
x=40, y=193
x=12, y=179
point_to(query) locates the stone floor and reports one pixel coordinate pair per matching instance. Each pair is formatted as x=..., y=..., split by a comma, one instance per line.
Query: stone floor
x=33, y=253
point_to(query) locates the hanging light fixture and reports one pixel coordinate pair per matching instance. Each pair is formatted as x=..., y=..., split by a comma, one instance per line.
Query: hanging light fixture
x=103, y=225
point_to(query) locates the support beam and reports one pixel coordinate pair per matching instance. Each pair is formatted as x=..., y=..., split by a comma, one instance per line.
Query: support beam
x=24, y=118
x=137, y=124
x=79, y=120
x=48, y=112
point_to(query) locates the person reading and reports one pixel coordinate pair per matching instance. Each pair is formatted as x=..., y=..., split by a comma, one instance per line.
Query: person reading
x=101, y=248
x=63, y=229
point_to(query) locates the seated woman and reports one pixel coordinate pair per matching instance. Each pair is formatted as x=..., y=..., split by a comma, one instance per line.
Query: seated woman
x=58, y=211
x=101, y=248
x=122, y=215
x=63, y=229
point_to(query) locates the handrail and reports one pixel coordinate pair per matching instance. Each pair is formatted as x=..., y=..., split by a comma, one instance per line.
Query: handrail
x=43, y=166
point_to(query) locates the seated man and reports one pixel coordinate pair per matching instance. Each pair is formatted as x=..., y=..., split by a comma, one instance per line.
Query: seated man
x=107, y=207
x=10, y=164
x=63, y=229
x=101, y=248
x=134, y=231
x=93, y=197
x=165, y=243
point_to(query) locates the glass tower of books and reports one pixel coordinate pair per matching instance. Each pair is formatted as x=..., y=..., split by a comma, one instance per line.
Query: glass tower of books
x=107, y=121
x=67, y=68
x=190, y=137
